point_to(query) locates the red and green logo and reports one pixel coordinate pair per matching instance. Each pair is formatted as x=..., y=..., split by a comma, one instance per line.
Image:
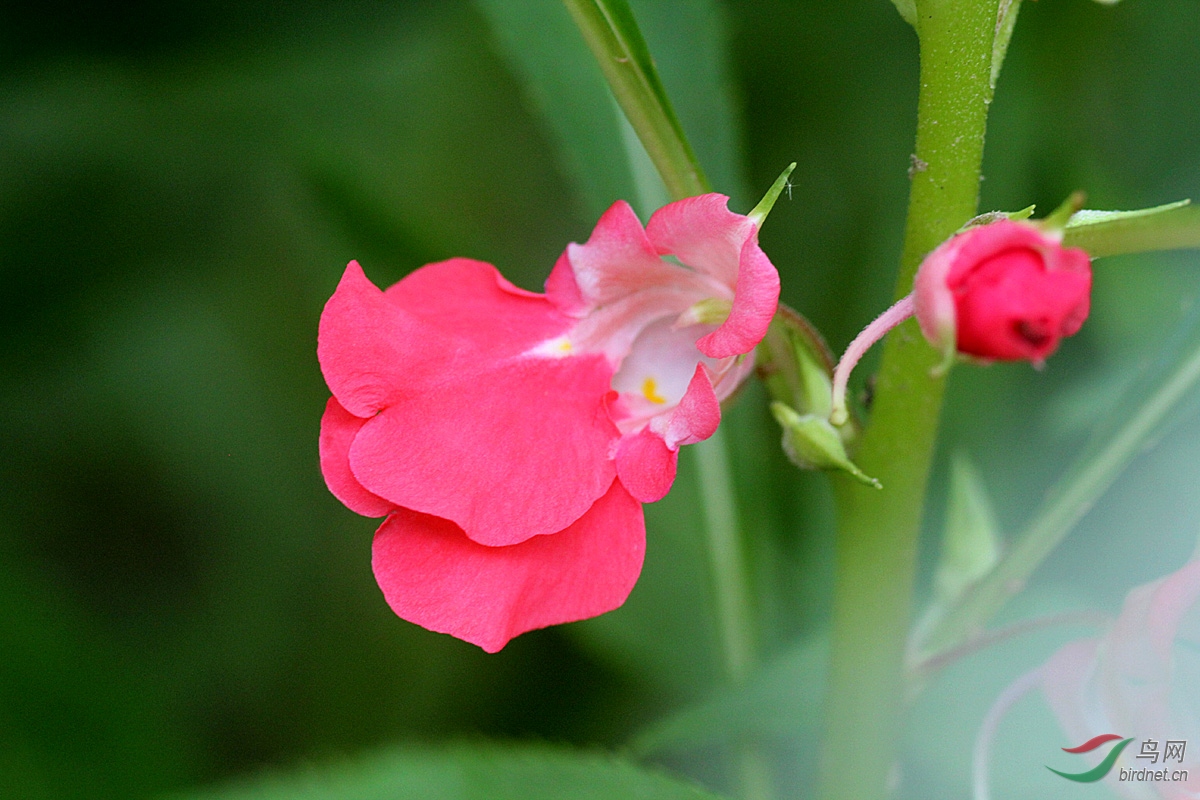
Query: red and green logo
x=1100, y=770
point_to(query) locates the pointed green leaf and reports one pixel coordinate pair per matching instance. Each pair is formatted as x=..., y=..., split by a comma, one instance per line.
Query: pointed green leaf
x=908, y=10
x=970, y=540
x=1111, y=233
x=1006, y=20
x=760, y=211
x=485, y=772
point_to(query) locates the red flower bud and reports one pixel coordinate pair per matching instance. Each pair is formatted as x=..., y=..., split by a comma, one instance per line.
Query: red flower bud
x=1004, y=291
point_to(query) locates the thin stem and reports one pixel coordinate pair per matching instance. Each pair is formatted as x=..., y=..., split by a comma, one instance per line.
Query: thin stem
x=732, y=589
x=878, y=531
x=926, y=667
x=728, y=563
x=991, y=723
x=900, y=311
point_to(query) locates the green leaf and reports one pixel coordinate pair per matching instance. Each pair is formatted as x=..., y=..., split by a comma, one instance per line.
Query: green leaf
x=1006, y=20
x=484, y=772
x=971, y=537
x=908, y=10
x=1111, y=233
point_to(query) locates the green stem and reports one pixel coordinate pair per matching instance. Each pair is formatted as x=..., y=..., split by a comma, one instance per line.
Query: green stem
x=878, y=530
x=728, y=563
x=612, y=35
x=732, y=589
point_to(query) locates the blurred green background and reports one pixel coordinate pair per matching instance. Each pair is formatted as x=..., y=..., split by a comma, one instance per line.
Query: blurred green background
x=181, y=185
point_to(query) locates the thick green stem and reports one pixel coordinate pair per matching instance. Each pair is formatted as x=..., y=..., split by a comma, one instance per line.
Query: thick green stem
x=878, y=530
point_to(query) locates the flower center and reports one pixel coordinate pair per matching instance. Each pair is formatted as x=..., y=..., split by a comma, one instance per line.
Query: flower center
x=650, y=391
x=655, y=373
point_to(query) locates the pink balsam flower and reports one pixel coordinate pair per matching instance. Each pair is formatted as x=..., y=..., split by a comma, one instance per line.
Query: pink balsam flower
x=511, y=437
x=1005, y=291
x=1141, y=680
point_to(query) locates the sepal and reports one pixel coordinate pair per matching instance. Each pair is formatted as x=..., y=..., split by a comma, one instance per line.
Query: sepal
x=811, y=442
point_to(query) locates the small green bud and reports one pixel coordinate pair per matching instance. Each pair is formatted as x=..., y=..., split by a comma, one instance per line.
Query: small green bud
x=811, y=442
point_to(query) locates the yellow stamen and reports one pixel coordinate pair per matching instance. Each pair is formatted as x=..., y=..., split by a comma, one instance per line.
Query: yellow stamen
x=650, y=392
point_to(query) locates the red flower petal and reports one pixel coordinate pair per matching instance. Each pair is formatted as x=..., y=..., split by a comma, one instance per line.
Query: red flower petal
x=433, y=575
x=368, y=348
x=646, y=466
x=338, y=429
x=470, y=303
x=698, y=414
x=519, y=450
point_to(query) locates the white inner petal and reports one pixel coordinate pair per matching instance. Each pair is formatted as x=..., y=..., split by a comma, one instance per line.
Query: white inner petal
x=660, y=365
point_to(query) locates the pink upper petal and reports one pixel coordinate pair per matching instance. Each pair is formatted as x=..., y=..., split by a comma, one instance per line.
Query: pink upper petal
x=471, y=304
x=338, y=429
x=518, y=448
x=1172, y=598
x=433, y=575
x=704, y=234
x=1126, y=682
x=646, y=466
x=754, y=304
x=1139, y=651
x=1066, y=682
x=370, y=350
x=617, y=260
x=698, y=414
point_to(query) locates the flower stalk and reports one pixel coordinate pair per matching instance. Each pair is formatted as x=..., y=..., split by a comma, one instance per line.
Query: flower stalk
x=878, y=531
